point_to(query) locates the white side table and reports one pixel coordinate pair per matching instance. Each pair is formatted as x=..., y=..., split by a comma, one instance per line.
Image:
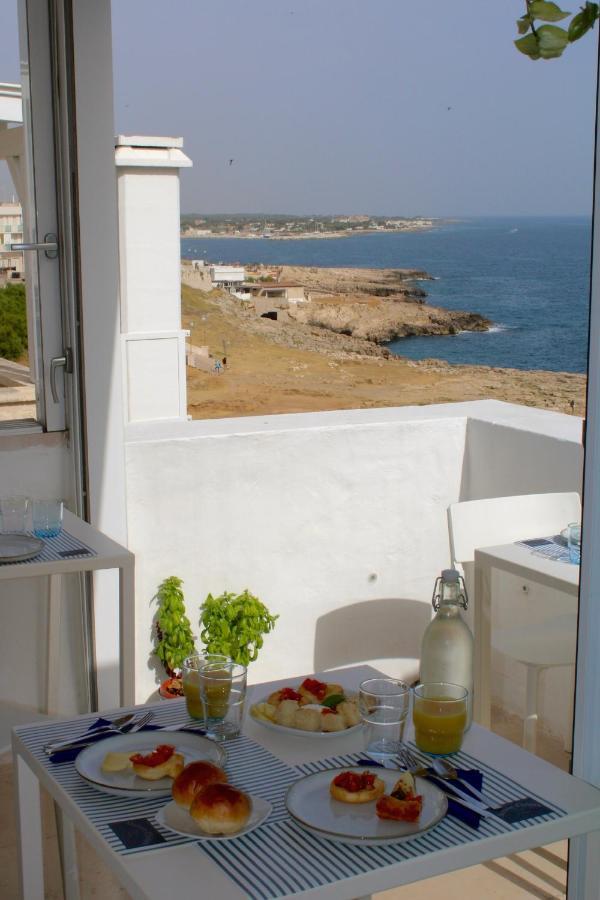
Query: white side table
x=108, y=555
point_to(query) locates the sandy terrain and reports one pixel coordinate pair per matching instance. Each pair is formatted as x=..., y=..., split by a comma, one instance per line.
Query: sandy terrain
x=273, y=368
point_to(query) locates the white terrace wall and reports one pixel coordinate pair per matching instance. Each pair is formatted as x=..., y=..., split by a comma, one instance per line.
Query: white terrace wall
x=314, y=513
x=321, y=514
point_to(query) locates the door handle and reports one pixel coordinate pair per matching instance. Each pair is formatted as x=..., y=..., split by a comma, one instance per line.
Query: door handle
x=60, y=362
x=49, y=245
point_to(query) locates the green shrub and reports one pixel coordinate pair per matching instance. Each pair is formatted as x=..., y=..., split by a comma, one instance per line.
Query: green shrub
x=13, y=321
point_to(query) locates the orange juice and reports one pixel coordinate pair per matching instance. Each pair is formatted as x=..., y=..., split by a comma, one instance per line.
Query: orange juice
x=199, y=687
x=439, y=724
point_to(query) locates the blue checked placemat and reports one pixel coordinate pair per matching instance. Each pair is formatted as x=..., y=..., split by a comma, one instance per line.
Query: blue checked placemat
x=63, y=546
x=552, y=547
x=280, y=859
x=128, y=825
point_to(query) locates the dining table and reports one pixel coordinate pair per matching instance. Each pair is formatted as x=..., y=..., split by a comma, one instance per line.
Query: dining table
x=280, y=858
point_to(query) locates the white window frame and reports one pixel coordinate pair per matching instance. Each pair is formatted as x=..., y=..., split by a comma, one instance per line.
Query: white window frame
x=38, y=182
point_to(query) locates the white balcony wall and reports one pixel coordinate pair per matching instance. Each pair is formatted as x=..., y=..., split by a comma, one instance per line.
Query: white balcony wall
x=318, y=513
x=311, y=512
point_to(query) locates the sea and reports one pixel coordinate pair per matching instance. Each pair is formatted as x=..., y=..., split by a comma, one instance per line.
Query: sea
x=529, y=276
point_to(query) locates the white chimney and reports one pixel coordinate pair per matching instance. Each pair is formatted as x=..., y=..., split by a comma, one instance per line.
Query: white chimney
x=150, y=276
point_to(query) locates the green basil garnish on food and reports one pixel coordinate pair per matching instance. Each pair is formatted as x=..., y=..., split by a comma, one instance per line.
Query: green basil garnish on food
x=332, y=701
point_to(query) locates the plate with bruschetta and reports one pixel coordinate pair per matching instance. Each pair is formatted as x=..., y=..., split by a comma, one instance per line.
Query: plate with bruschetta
x=144, y=763
x=358, y=805
x=311, y=708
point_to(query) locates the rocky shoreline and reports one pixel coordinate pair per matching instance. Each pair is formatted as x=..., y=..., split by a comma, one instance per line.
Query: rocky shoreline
x=375, y=305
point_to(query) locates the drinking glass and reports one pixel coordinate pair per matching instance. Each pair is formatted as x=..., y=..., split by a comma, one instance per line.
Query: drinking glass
x=47, y=518
x=14, y=513
x=223, y=692
x=190, y=680
x=439, y=717
x=574, y=542
x=383, y=704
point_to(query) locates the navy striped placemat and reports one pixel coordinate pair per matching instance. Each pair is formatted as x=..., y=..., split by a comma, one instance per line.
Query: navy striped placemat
x=249, y=766
x=281, y=859
x=55, y=548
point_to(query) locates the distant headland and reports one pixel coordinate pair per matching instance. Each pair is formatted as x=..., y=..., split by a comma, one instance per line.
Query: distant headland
x=292, y=227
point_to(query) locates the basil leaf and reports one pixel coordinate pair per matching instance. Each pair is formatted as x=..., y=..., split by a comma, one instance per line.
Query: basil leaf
x=332, y=701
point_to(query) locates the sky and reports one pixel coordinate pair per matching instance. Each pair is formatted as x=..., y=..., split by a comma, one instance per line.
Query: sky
x=385, y=107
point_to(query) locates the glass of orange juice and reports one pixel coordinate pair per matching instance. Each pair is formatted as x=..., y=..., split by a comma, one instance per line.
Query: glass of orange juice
x=191, y=681
x=439, y=717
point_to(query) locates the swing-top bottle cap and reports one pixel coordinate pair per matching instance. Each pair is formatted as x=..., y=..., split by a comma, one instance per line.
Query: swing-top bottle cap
x=450, y=576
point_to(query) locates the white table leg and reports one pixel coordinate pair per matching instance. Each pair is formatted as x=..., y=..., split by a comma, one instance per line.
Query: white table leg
x=584, y=867
x=68, y=854
x=482, y=624
x=127, y=634
x=55, y=586
x=29, y=832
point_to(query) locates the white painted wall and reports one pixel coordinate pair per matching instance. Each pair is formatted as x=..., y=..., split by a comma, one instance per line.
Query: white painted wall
x=312, y=512
x=322, y=512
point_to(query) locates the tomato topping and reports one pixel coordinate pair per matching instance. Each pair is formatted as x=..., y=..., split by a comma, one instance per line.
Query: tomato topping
x=156, y=758
x=353, y=782
x=317, y=688
x=289, y=694
x=328, y=712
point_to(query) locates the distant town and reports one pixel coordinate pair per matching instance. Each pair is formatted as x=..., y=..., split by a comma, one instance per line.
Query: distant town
x=287, y=226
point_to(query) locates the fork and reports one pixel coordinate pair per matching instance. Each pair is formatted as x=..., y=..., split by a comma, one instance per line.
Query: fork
x=87, y=739
x=416, y=768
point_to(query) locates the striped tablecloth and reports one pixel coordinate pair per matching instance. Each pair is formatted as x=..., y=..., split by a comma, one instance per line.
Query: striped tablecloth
x=278, y=859
x=281, y=859
x=54, y=550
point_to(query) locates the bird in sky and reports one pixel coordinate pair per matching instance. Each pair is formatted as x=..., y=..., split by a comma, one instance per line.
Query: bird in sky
x=230, y=162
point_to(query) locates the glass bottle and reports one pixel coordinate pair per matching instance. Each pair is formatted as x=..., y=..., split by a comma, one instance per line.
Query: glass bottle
x=447, y=646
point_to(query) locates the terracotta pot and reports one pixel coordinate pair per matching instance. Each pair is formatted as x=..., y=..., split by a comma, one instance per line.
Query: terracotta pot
x=171, y=689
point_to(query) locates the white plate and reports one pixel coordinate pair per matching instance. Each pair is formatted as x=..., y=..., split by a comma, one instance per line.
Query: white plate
x=127, y=784
x=298, y=732
x=19, y=547
x=178, y=819
x=310, y=804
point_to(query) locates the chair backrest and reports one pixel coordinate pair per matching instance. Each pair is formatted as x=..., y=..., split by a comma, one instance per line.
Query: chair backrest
x=501, y=520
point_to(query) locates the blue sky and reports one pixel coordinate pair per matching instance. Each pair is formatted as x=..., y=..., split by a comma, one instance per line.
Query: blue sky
x=342, y=106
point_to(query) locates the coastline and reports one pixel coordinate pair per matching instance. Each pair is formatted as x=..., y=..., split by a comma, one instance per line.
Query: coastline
x=315, y=235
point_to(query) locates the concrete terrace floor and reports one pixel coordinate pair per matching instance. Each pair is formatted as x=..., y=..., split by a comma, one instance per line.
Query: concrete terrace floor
x=538, y=874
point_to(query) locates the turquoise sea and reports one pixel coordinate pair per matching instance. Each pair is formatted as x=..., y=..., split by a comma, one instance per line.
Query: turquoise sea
x=530, y=276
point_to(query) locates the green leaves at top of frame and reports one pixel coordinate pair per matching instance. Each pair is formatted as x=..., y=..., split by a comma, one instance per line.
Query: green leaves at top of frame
x=583, y=21
x=549, y=41
x=546, y=12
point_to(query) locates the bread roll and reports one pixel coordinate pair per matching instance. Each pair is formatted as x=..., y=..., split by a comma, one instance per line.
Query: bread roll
x=221, y=809
x=349, y=710
x=196, y=775
x=285, y=713
x=332, y=722
x=307, y=719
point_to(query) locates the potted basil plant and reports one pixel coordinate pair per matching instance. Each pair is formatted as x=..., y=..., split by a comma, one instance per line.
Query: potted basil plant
x=234, y=625
x=175, y=640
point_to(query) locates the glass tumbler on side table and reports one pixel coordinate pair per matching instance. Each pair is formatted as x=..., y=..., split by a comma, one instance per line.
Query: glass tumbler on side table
x=14, y=514
x=383, y=710
x=574, y=542
x=215, y=692
x=47, y=518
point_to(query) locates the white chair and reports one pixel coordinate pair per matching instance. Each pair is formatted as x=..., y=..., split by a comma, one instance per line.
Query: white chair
x=501, y=520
